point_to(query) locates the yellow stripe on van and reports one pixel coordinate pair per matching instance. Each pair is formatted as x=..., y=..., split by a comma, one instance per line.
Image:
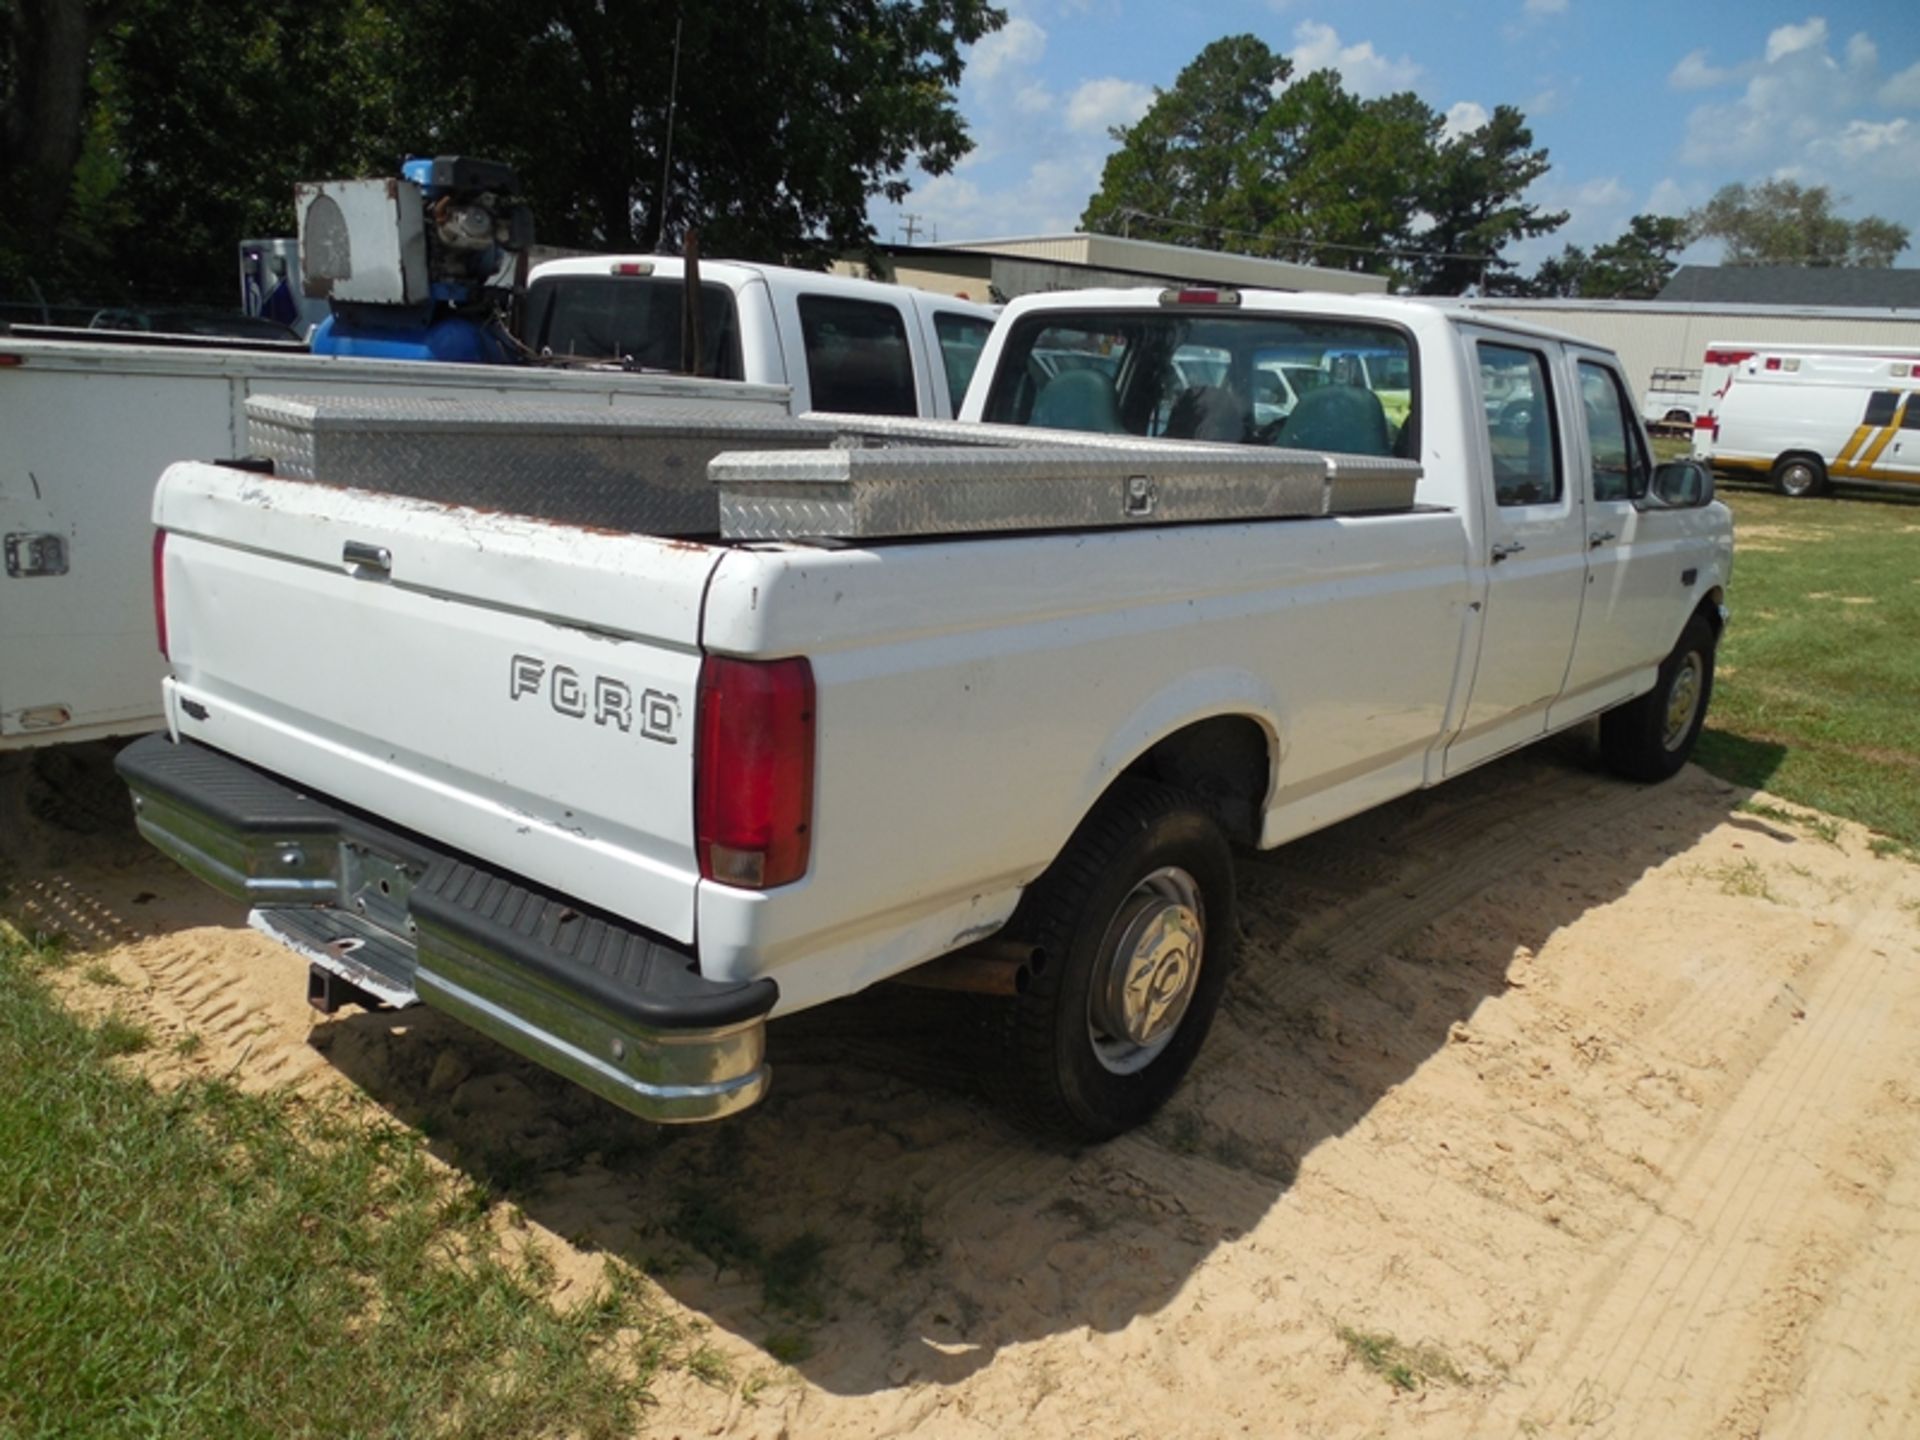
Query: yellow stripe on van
x=1863, y=467
x=1860, y=433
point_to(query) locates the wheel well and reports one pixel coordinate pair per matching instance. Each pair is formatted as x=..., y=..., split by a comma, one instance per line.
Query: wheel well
x=1709, y=607
x=1811, y=455
x=1225, y=763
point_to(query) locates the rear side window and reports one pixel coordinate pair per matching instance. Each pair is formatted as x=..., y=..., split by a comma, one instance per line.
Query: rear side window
x=1910, y=417
x=857, y=356
x=1517, y=395
x=1880, y=408
x=962, y=338
x=632, y=319
x=1619, y=466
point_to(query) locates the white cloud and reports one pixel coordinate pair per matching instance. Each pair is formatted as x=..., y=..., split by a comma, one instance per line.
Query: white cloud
x=1790, y=39
x=1463, y=116
x=1365, y=70
x=1862, y=138
x=1606, y=193
x=1033, y=100
x=1098, y=105
x=1694, y=73
x=1903, y=90
x=1018, y=43
x=1801, y=115
x=1546, y=7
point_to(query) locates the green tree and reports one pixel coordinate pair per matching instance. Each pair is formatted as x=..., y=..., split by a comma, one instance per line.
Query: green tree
x=1244, y=155
x=1474, y=192
x=791, y=116
x=1635, y=266
x=1781, y=222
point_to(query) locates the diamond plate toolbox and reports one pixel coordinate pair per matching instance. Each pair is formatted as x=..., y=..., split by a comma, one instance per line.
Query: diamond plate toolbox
x=639, y=470
x=897, y=490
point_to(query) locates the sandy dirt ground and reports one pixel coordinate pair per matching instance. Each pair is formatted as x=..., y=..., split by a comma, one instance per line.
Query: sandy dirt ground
x=1541, y=1105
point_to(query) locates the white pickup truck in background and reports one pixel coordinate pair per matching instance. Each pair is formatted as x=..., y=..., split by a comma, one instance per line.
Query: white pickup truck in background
x=979, y=706
x=848, y=345
x=86, y=425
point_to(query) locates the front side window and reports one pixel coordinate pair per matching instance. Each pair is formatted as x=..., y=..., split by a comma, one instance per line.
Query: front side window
x=962, y=338
x=1880, y=408
x=857, y=357
x=632, y=319
x=1238, y=377
x=1619, y=466
x=1516, y=393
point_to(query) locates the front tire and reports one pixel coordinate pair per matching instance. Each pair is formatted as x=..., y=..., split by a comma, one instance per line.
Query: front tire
x=1136, y=926
x=1652, y=737
x=1800, y=477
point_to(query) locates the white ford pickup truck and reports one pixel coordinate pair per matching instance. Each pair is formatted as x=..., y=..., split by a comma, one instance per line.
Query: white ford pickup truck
x=620, y=751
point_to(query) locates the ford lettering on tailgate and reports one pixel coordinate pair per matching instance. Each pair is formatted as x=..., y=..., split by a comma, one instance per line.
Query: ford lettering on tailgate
x=607, y=700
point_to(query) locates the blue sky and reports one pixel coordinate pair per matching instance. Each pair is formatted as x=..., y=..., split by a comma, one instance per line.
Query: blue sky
x=1641, y=106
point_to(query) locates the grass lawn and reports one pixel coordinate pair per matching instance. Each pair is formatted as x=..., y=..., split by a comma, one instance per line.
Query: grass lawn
x=1818, y=693
x=208, y=1263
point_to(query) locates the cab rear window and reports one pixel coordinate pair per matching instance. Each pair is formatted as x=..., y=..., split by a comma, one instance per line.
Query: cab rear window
x=1240, y=377
x=632, y=320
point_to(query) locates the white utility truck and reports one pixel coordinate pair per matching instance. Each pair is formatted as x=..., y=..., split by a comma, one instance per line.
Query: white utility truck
x=85, y=425
x=1806, y=416
x=614, y=744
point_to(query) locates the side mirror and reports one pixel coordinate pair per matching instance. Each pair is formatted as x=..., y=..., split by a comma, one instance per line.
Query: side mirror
x=1681, y=485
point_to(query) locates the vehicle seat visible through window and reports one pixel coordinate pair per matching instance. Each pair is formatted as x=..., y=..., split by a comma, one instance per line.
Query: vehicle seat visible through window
x=1346, y=418
x=1078, y=400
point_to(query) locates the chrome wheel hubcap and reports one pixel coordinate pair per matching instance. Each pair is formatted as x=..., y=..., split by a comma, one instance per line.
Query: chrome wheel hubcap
x=1147, y=971
x=1683, y=700
x=1797, y=479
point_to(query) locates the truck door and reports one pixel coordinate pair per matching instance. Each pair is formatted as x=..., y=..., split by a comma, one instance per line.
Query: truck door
x=1534, y=547
x=1635, y=590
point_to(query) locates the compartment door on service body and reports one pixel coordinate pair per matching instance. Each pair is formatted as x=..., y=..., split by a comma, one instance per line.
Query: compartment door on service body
x=1535, y=546
x=1636, y=559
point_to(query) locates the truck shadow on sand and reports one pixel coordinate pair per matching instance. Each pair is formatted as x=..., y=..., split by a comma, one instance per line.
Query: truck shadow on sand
x=875, y=1223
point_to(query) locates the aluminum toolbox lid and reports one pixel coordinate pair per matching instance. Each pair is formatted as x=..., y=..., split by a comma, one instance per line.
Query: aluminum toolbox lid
x=895, y=491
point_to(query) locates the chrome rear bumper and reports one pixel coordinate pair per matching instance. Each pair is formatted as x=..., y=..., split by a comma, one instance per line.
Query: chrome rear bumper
x=601, y=1002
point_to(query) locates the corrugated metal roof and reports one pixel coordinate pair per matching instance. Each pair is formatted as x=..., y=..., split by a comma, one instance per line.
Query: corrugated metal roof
x=1844, y=286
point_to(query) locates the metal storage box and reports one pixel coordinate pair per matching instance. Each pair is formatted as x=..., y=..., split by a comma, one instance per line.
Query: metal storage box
x=708, y=467
x=896, y=490
x=640, y=470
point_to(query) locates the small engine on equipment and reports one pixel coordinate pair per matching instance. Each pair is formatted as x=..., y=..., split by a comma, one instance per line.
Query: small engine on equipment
x=418, y=267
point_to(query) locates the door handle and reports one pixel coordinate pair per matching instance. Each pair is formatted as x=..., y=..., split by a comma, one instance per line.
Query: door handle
x=1506, y=548
x=1600, y=537
x=364, y=560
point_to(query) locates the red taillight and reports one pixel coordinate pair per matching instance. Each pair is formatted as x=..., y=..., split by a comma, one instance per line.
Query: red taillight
x=10, y=360
x=631, y=267
x=1728, y=357
x=160, y=591
x=753, y=771
x=1707, y=425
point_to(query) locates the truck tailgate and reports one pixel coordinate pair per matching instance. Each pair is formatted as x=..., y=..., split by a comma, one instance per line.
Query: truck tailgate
x=518, y=690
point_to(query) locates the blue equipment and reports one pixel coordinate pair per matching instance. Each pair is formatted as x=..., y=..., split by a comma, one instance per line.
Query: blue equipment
x=418, y=268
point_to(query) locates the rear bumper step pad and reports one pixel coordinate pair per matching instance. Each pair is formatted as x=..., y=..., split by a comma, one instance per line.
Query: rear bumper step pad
x=581, y=992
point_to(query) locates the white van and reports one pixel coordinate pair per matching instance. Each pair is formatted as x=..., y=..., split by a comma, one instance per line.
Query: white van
x=1808, y=415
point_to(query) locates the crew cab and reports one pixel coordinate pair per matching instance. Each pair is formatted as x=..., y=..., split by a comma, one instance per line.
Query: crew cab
x=842, y=343
x=616, y=796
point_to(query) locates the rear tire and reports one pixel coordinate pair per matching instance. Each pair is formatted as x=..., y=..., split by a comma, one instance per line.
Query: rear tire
x=1800, y=477
x=1652, y=737
x=1136, y=925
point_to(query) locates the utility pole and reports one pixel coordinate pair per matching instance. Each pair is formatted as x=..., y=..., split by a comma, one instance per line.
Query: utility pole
x=912, y=224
